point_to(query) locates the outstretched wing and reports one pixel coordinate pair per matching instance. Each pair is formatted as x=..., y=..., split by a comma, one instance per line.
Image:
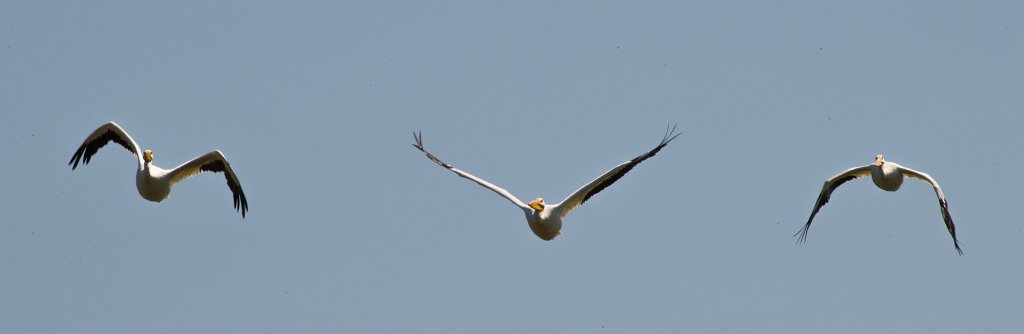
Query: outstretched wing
x=942, y=202
x=106, y=133
x=584, y=193
x=504, y=193
x=212, y=162
x=826, y=191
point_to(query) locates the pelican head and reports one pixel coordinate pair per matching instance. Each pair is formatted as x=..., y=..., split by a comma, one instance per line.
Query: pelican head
x=537, y=204
x=147, y=155
x=879, y=160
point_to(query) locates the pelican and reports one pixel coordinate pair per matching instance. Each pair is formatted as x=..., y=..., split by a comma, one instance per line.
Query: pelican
x=889, y=177
x=546, y=219
x=154, y=183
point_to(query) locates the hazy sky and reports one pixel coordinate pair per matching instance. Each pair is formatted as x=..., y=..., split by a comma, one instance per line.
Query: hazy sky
x=351, y=230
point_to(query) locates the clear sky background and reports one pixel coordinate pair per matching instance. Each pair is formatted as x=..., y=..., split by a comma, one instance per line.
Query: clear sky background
x=351, y=230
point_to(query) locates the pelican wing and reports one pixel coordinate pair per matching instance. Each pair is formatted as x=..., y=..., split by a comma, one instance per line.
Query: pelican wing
x=504, y=193
x=826, y=191
x=212, y=162
x=106, y=133
x=942, y=202
x=584, y=193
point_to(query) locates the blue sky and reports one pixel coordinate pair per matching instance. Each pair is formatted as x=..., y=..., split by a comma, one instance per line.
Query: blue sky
x=353, y=230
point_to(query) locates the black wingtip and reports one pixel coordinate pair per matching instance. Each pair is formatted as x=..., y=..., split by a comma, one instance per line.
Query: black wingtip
x=802, y=233
x=419, y=145
x=75, y=158
x=670, y=134
x=418, y=137
x=241, y=204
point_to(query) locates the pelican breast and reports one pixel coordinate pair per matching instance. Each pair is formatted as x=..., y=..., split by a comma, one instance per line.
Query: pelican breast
x=150, y=184
x=887, y=176
x=544, y=225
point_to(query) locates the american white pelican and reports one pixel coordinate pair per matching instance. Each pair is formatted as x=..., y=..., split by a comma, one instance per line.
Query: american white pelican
x=546, y=219
x=889, y=177
x=154, y=183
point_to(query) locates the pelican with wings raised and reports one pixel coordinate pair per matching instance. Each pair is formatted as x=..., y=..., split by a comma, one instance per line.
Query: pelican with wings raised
x=546, y=219
x=888, y=176
x=154, y=183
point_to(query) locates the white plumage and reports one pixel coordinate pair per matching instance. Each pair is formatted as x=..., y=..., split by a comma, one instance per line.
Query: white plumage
x=152, y=182
x=887, y=176
x=546, y=219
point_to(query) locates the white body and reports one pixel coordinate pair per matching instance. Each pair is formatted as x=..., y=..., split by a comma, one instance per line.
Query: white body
x=887, y=177
x=545, y=225
x=151, y=183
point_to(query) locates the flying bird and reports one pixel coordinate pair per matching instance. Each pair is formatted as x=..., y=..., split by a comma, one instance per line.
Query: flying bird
x=889, y=177
x=546, y=219
x=152, y=182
